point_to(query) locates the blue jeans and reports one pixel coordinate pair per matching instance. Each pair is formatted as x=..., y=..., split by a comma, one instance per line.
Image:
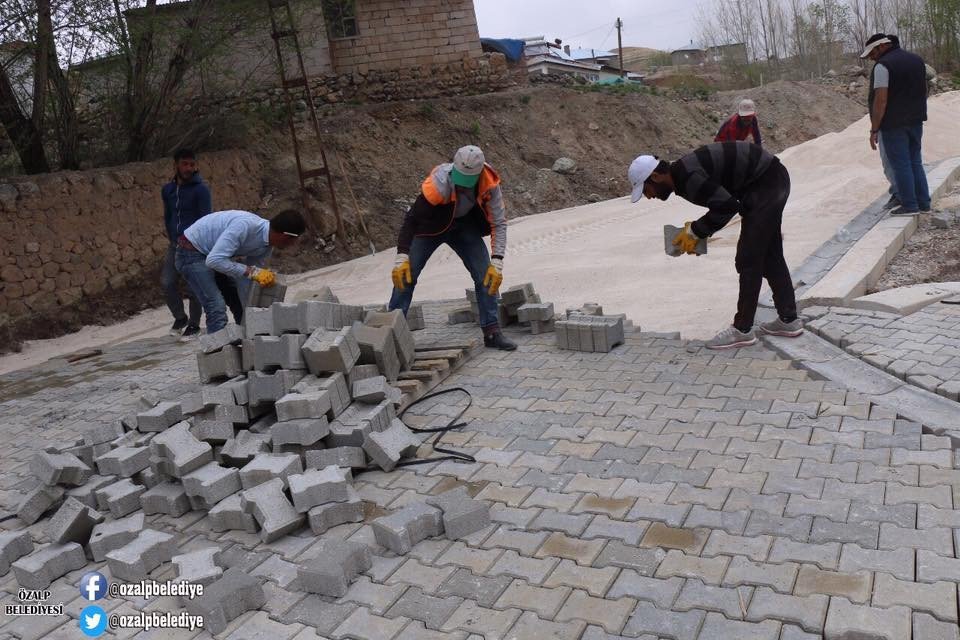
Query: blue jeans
x=466, y=242
x=203, y=281
x=170, y=281
x=885, y=163
x=902, y=147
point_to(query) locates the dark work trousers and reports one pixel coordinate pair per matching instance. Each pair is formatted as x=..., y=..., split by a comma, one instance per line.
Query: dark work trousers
x=760, y=249
x=228, y=288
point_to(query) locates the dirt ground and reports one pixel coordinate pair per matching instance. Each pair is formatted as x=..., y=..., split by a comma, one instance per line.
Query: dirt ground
x=932, y=254
x=386, y=149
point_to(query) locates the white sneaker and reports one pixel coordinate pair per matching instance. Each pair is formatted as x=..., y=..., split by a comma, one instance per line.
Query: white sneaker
x=780, y=328
x=732, y=338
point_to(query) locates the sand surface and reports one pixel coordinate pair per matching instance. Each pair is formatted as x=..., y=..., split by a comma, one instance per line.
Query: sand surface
x=611, y=252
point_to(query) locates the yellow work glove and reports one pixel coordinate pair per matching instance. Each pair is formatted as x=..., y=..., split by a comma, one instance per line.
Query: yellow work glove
x=686, y=240
x=494, y=276
x=401, y=274
x=263, y=277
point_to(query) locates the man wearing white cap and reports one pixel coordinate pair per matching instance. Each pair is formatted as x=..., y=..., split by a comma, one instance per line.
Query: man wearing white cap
x=742, y=125
x=459, y=203
x=730, y=178
x=898, y=109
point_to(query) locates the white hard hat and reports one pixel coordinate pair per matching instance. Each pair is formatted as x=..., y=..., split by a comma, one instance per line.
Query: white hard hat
x=640, y=169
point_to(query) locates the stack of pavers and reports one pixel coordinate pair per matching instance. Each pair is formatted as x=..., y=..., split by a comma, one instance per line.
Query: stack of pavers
x=292, y=403
x=587, y=329
x=519, y=304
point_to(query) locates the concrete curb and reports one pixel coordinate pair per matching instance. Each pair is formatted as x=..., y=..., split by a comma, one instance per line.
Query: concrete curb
x=848, y=278
x=825, y=361
x=906, y=300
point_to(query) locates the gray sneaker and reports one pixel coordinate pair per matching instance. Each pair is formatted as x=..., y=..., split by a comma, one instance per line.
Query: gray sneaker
x=731, y=338
x=780, y=328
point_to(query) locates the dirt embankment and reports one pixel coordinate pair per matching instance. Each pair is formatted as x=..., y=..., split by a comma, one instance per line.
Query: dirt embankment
x=386, y=149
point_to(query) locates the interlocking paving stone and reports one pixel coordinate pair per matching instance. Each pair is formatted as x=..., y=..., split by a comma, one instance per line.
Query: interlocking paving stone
x=808, y=612
x=647, y=619
x=610, y=614
x=846, y=620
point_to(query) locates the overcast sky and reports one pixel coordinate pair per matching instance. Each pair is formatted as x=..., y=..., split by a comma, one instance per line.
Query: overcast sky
x=658, y=24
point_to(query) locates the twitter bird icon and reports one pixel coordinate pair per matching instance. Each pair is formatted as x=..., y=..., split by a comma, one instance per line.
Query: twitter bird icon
x=93, y=621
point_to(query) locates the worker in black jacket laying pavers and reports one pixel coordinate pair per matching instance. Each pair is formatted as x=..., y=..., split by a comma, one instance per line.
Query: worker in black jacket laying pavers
x=459, y=203
x=730, y=178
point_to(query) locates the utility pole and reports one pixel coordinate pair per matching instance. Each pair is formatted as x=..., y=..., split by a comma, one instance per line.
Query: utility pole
x=623, y=72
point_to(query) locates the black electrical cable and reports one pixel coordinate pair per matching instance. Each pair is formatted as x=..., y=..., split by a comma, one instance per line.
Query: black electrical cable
x=449, y=454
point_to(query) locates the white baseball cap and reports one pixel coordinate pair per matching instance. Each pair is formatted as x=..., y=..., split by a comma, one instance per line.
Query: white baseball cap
x=747, y=108
x=640, y=169
x=873, y=45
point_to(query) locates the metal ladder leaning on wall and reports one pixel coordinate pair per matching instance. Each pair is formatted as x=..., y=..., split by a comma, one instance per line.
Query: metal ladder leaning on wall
x=281, y=14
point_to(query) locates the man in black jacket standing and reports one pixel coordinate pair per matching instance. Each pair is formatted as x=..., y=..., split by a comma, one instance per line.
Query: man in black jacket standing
x=730, y=178
x=898, y=109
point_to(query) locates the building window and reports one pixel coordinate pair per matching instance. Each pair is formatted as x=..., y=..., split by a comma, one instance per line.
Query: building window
x=341, y=18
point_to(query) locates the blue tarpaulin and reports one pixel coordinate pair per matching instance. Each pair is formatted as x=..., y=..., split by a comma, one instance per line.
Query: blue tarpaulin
x=510, y=47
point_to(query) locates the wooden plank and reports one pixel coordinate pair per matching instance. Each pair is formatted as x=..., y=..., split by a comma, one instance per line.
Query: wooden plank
x=446, y=354
x=83, y=355
x=428, y=365
x=426, y=377
x=408, y=386
x=452, y=346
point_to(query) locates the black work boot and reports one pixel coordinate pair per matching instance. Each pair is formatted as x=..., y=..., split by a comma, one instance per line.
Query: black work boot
x=497, y=341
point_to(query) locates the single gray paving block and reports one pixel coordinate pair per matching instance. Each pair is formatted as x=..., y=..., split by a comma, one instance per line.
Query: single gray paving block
x=180, y=452
x=926, y=627
x=301, y=432
x=939, y=598
x=332, y=514
x=808, y=612
x=228, y=515
x=328, y=351
x=319, y=486
x=415, y=317
x=484, y=590
x=167, y=497
x=278, y=352
x=162, y=416
x=120, y=498
x=214, y=432
x=267, y=388
x=462, y=515
x=199, y=567
x=13, y=546
x=375, y=390
x=847, y=621
x=402, y=529
x=377, y=417
x=336, y=564
x=100, y=433
x=39, y=569
x=402, y=338
x=37, y=502
x=646, y=618
x=225, y=363
x=716, y=626
x=377, y=346
x=266, y=296
x=123, y=461
x=269, y=466
x=303, y=406
x=286, y=318
x=362, y=372
x=535, y=312
x=348, y=457
x=108, y=536
x=317, y=314
x=59, y=468
x=210, y=342
x=134, y=560
x=73, y=522
x=387, y=448
x=431, y=610
x=210, y=484
x=257, y=321
x=235, y=593
x=273, y=511
x=244, y=448
x=898, y=562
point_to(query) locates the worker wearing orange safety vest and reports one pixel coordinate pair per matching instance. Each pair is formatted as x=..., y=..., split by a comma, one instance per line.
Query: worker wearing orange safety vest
x=459, y=203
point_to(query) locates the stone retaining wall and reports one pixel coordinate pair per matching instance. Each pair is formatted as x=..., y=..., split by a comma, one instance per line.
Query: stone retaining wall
x=72, y=234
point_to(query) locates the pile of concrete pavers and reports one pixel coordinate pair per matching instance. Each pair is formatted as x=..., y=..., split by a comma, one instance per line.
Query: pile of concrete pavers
x=292, y=402
x=518, y=305
x=588, y=329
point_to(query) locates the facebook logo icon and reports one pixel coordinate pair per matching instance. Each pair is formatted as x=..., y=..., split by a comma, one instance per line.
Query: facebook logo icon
x=93, y=586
